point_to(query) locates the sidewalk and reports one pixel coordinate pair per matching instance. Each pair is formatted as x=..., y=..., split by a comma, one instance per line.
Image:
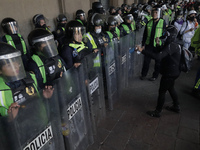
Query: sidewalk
x=128, y=127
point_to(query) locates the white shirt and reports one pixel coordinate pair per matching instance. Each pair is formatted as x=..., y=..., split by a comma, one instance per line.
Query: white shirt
x=187, y=36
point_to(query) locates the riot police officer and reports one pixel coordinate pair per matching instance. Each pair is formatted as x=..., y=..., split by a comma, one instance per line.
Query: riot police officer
x=75, y=50
x=59, y=34
x=128, y=25
x=96, y=38
x=154, y=29
x=45, y=61
x=111, y=28
x=16, y=85
x=97, y=7
x=40, y=22
x=80, y=16
x=14, y=38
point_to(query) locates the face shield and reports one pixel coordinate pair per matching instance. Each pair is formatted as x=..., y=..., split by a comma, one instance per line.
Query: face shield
x=79, y=34
x=82, y=16
x=129, y=18
x=119, y=19
x=46, y=46
x=156, y=13
x=12, y=27
x=11, y=67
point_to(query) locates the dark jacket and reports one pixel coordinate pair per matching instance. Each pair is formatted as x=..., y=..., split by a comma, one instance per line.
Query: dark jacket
x=170, y=59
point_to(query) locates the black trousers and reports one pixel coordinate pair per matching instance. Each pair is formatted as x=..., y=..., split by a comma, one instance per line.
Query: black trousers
x=167, y=84
x=147, y=61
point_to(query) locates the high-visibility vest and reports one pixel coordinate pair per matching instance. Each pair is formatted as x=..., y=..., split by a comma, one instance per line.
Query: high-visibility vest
x=126, y=28
x=159, y=31
x=10, y=41
x=78, y=47
x=6, y=94
x=80, y=21
x=91, y=39
x=117, y=31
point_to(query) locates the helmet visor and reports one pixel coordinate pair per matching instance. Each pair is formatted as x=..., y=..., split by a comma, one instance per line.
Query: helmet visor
x=11, y=67
x=12, y=27
x=79, y=33
x=119, y=19
x=156, y=13
x=46, y=46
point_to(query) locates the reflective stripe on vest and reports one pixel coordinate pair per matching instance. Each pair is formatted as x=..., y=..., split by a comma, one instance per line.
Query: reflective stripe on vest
x=41, y=67
x=126, y=28
x=110, y=35
x=94, y=46
x=159, y=31
x=10, y=41
x=148, y=17
x=78, y=47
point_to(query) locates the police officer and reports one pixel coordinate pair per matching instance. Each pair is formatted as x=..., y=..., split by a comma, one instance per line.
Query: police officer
x=128, y=25
x=59, y=34
x=112, y=10
x=45, y=61
x=40, y=22
x=145, y=15
x=154, y=29
x=124, y=8
x=96, y=38
x=112, y=31
x=80, y=17
x=170, y=59
x=75, y=50
x=12, y=37
x=16, y=85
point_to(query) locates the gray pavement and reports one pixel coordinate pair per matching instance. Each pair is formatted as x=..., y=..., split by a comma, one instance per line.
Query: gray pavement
x=128, y=127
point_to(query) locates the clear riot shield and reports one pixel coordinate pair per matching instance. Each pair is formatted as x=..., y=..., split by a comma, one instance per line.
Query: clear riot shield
x=111, y=74
x=166, y=18
x=138, y=57
x=131, y=55
x=29, y=127
x=75, y=119
x=95, y=89
x=123, y=62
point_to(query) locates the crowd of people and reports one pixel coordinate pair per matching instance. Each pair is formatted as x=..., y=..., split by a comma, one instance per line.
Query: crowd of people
x=25, y=69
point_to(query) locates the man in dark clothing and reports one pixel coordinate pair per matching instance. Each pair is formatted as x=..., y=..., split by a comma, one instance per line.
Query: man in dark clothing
x=170, y=59
x=154, y=29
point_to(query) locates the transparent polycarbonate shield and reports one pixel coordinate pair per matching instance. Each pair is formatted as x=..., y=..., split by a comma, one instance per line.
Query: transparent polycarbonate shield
x=139, y=35
x=111, y=75
x=166, y=18
x=131, y=56
x=8, y=135
x=76, y=127
x=123, y=62
x=95, y=89
x=33, y=125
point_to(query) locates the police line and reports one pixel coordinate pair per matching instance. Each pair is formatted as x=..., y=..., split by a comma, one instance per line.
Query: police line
x=69, y=119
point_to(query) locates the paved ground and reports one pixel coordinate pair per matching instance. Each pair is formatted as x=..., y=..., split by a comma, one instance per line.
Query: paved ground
x=128, y=127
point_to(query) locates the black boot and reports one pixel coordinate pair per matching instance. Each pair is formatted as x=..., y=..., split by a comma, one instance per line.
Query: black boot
x=154, y=113
x=174, y=108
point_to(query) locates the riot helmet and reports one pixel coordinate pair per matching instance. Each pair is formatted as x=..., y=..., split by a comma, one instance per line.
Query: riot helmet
x=139, y=6
x=11, y=65
x=172, y=33
x=97, y=20
x=111, y=23
x=112, y=10
x=61, y=18
x=80, y=14
x=119, y=19
x=156, y=12
x=39, y=20
x=97, y=7
x=75, y=31
x=10, y=26
x=128, y=18
x=43, y=43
